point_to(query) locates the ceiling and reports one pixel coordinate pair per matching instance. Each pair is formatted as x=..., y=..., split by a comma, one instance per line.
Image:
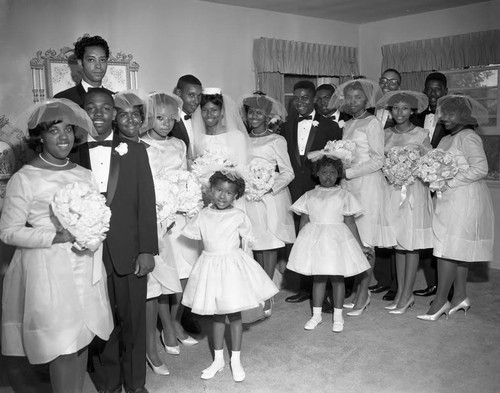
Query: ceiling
x=351, y=11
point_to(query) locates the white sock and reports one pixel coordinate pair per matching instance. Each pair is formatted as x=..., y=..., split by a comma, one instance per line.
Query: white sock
x=235, y=356
x=337, y=315
x=218, y=355
x=217, y=364
x=317, y=313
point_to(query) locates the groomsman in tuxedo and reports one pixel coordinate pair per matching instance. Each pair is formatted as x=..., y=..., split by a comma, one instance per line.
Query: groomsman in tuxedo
x=304, y=132
x=189, y=89
x=385, y=264
x=92, y=54
x=121, y=168
x=324, y=94
x=435, y=88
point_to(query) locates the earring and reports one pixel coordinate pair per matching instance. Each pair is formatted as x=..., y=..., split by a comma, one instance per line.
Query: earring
x=41, y=140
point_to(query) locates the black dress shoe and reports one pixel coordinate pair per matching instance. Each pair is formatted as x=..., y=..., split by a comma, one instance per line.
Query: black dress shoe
x=137, y=390
x=298, y=298
x=377, y=288
x=429, y=291
x=190, y=324
x=117, y=390
x=390, y=295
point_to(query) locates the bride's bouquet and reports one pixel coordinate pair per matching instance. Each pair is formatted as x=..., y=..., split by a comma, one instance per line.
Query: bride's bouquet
x=344, y=150
x=259, y=179
x=401, y=163
x=176, y=192
x=82, y=210
x=206, y=164
x=436, y=167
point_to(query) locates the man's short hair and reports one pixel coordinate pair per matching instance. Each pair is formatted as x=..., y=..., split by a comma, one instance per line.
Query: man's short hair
x=306, y=85
x=187, y=80
x=84, y=42
x=326, y=86
x=437, y=76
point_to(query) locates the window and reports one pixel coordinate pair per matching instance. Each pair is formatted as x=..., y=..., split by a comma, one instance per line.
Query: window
x=481, y=83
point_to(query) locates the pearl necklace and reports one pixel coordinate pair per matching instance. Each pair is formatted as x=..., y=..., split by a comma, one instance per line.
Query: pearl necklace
x=360, y=116
x=50, y=163
x=257, y=135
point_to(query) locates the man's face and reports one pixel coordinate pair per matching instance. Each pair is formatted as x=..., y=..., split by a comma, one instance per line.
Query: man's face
x=434, y=90
x=322, y=100
x=94, y=65
x=389, y=81
x=191, y=97
x=304, y=101
x=100, y=108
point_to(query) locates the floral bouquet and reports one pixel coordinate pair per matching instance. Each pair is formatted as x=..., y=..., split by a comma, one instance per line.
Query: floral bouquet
x=259, y=179
x=176, y=192
x=342, y=150
x=82, y=210
x=400, y=165
x=436, y=167
x=206, y=164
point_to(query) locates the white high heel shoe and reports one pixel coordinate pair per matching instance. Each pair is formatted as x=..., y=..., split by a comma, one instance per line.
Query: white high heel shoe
x=170, y=350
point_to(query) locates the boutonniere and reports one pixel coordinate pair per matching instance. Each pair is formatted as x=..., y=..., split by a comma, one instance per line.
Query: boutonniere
x=341, y=123
x=122, y=148
x=315, y=123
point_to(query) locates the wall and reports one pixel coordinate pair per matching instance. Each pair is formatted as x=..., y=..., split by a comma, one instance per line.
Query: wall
x=168, y=38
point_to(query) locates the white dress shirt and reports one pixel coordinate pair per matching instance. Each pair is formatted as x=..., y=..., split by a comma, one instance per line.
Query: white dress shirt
x=100, y=159
x=86, y=86
x=303, y=131
x=383, y=115
x=430, y=124
x=189, y=129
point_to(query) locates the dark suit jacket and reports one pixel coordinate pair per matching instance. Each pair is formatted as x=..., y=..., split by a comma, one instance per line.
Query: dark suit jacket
x=131, y=197
x=75, y=94
x=326, y=130
x=179, y=131
x=439, y=131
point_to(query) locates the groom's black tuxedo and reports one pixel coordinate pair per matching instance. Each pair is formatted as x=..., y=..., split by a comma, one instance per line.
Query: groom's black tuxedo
x=131, y=197
x=76, y=94
x=325, y=131
x=439, y=131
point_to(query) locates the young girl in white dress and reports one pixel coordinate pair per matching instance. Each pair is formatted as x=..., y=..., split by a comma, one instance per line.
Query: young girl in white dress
x=55, y=299
x=225, y=280
x=328, y=245
x=271, y=218
x=364, y=179
x=410, y=212
x=463, y=219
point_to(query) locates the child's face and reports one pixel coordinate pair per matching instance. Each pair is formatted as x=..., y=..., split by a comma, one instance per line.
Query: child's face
x=401, y=112
x=211, y=114
x=128, y=121
x=355, y=101
x=164, y=120
x=223, y=194
x=328, y=175
x=100, y=108
x=256, y=117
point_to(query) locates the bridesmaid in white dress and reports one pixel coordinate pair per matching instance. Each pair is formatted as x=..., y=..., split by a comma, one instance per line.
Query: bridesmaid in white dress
x=410, y=212
x=364, y=179
x=271, y=217
x=177, y=254
x=55, y=300
x=463, y=222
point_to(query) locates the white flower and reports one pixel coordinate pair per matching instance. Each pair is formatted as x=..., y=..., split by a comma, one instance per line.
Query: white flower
x=341, y=123
x=83, y=212
x=122, y=148
x=260, y=179
x=401, y=163
x=315, y=123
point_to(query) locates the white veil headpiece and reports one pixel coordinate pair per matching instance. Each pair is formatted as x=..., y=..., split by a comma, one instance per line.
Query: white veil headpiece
x=274, y=110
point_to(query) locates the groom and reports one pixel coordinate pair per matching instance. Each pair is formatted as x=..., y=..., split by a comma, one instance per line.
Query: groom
x=122, y=171
x=304, y=132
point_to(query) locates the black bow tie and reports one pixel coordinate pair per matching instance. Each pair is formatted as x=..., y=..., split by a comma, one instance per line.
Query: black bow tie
x=99, y=143
x=305, y=118
x=187, y=117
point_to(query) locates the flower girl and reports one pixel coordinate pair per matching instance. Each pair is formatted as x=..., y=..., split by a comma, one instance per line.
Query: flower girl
x=328, y=244
x=225, y=280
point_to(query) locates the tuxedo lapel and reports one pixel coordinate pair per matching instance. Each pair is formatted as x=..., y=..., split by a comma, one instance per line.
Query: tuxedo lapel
x=312, y=133
x=83, y=151
x=437, y=135
x=295, y=139
x=114, y=170
x=81, y=93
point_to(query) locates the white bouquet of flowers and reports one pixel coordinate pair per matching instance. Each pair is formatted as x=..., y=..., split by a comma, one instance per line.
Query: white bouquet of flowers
x=176, y=192
x=209, y=162
x=259, y=179
x=82, y=210
x=436, y=167
x=401, y=163
x=342, y=150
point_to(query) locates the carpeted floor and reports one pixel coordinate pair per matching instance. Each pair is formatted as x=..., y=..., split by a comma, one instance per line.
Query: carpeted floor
x=377, y=352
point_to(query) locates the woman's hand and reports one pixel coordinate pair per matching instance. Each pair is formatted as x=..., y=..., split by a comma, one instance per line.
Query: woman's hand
x=63, y=236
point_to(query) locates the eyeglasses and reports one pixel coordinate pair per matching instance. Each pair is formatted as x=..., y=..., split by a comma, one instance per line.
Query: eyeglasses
x=389, y=82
